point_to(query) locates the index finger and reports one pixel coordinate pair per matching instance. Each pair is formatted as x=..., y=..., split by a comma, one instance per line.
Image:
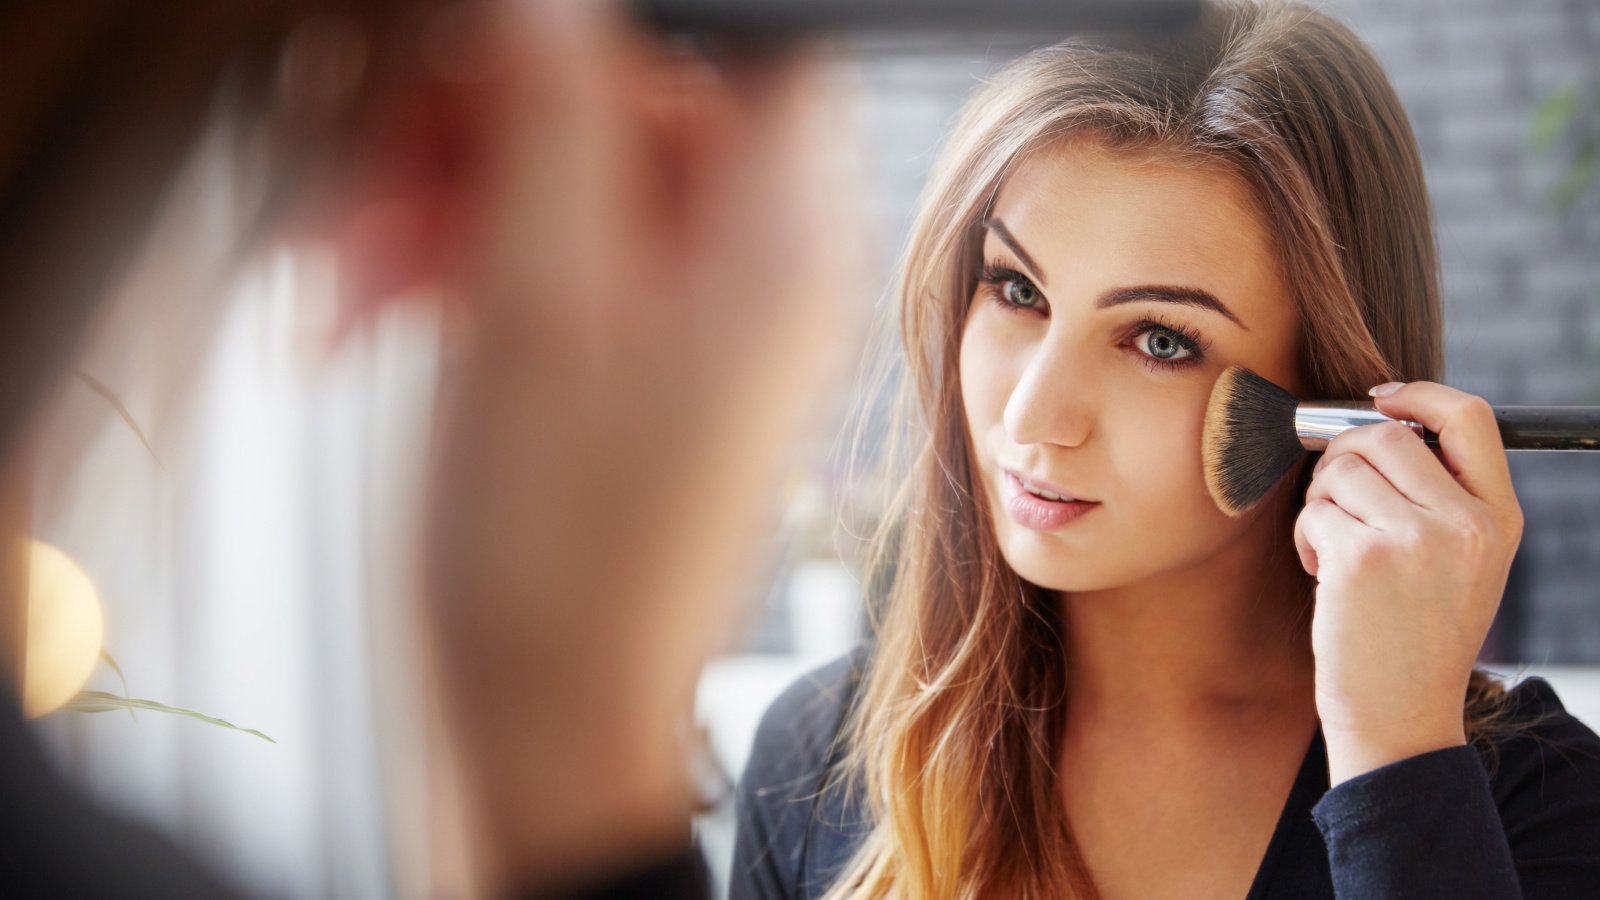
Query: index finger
x=1469, y=438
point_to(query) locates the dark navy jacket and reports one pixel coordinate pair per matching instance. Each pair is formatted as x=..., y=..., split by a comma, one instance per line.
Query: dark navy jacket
x=1431, y=826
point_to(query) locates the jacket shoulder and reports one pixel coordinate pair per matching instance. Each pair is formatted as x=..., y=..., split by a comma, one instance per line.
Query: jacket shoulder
x=1537, y=719
x=1546, y=775
x=785, y=795
x=800, y=726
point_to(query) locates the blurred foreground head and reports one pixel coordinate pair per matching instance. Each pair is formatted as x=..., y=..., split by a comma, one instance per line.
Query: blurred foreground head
x=636, y=256
x=108, y=101
x=337, y=116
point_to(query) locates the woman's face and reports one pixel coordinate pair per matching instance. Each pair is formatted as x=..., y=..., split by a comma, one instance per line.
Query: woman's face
x=1117, y=286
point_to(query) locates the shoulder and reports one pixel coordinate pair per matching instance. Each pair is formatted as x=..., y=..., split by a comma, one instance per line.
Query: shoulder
x=59, y=843
x=801, y=724
x=797, y=739
x=1536, y=720
x=793, y=820
x=1517, y=808
x=1548, y=762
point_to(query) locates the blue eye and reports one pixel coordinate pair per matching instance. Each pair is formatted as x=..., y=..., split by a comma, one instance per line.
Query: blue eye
x=1019, y=292
x=1010, y=289
x=1163, y=344
x=1167, y=346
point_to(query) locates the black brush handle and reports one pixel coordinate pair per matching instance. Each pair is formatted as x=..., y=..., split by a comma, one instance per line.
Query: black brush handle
x=1548, y=427
x=1543, y=428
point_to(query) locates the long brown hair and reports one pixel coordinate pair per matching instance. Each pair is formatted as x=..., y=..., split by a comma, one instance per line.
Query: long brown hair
x=955, y=730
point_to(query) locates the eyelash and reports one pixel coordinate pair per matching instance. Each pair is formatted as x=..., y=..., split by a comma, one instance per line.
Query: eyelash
x=995, y=275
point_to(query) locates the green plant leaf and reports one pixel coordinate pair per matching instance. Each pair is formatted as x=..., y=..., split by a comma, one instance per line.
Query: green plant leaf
x=1552, y=117
x=110, y=396
x=100, y=701
x=1578, y=179
x=120, y=677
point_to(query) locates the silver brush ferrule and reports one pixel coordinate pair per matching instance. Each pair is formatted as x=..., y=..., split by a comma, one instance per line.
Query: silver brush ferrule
x=1320, y=422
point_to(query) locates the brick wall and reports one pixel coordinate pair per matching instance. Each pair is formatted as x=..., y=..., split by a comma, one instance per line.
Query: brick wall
x=1521, y=280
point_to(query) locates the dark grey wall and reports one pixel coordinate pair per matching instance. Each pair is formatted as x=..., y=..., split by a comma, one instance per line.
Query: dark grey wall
x=1521, y=279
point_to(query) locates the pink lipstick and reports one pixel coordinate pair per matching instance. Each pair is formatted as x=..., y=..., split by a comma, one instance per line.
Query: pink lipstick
x=1038, y=513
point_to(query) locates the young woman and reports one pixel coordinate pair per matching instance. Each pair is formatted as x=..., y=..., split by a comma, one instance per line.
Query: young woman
x=1086, y=680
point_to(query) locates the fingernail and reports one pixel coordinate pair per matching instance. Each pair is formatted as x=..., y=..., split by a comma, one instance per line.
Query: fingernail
x=1385, y=389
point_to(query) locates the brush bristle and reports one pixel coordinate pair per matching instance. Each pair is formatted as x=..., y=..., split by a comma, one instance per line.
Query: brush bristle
x=1249, y=440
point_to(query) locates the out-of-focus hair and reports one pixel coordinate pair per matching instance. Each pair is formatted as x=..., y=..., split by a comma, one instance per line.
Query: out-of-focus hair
x=107, y=100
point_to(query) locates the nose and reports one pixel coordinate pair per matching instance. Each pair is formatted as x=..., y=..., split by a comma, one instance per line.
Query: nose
x=1055, y=399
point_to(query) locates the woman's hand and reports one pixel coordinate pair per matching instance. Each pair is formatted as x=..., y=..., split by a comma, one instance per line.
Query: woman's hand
x=1411, y=551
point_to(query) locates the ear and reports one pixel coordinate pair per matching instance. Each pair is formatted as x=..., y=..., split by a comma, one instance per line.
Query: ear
x=398, y=214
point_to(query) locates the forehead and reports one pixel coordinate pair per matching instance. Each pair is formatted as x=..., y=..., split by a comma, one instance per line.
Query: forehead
x=1093, y=217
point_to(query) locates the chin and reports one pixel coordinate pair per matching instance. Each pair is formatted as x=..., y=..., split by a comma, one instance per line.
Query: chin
x=1059, y=566
x=1058, y=570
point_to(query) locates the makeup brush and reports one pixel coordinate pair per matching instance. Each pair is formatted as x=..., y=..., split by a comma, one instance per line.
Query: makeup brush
x=1255, y=431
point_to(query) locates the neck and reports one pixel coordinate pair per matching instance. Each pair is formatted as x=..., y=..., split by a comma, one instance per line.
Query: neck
x=1213, y=643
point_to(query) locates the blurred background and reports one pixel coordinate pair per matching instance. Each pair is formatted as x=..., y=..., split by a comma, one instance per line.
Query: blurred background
x=250, y=557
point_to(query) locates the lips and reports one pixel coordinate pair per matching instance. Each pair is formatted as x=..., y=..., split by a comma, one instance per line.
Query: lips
x=1044, y=494
x=1038, y=513
x=1036, y=485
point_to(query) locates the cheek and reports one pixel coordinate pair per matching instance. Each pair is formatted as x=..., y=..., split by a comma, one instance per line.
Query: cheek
x=984, y=382
x=1159, y=459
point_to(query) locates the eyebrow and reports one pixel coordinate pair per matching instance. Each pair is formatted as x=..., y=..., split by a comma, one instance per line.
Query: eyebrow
x=1185, y=296
x=1006, y=237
